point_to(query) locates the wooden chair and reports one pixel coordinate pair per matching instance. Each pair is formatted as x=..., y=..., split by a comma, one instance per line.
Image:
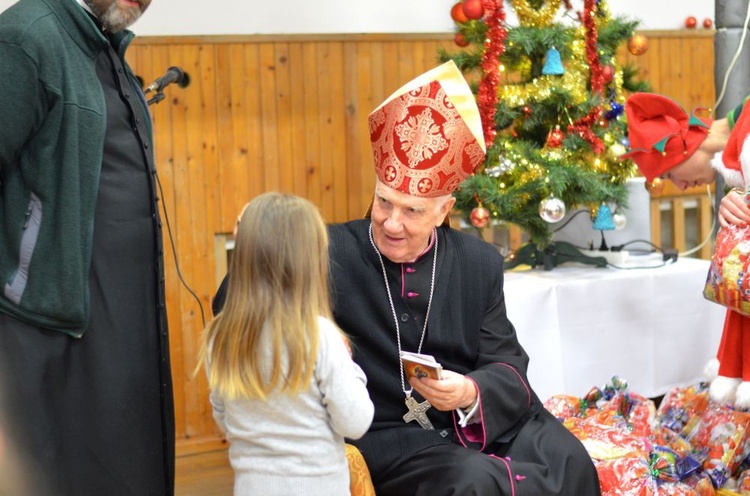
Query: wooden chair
x=676, y=202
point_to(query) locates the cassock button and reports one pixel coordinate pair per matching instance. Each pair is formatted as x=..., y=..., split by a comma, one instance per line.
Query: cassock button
x=410, y=270
x=404, y=317
x=412, y=294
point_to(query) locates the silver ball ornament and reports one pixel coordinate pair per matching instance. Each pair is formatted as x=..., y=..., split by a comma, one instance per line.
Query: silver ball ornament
x=616, y=150
x=620, y=220
x=552, y=209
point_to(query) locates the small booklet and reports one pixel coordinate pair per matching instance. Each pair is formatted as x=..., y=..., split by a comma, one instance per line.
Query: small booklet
x=419, y=365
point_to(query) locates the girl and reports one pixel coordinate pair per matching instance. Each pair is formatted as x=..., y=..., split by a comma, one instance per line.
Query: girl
x=284, y=388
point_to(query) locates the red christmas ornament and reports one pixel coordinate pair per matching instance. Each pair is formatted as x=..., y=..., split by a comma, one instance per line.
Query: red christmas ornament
x=480, y=217
x=473, y=9
x=457, y=13
x=608, y=73
x=691, y=22
x=526, y=110
x=555, y=138
x=707, y=23
x=460, y=40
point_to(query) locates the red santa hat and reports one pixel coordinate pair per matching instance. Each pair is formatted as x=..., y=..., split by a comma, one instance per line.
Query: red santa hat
x=661, y=133
x=427, y=136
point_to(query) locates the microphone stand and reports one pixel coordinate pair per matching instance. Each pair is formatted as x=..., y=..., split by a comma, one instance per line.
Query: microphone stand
x=159, y=96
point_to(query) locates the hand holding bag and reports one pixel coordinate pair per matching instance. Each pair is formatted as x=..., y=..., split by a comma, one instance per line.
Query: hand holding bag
x=728, y=280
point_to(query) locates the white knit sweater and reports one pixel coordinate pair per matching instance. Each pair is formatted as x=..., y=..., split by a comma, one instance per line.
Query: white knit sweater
x=293, y=445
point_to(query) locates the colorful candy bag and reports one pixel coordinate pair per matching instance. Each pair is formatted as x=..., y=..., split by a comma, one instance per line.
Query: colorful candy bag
x=727, y=282
x=722, y=435
x=657, y=475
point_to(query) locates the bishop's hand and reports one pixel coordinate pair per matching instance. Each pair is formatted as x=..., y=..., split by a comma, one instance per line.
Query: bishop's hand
x=452, y=392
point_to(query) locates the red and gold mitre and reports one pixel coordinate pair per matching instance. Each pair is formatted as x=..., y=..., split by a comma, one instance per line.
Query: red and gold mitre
x=427, y=136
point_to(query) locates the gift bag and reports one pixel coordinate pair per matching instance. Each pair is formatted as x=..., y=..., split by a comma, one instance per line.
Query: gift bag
x=728, y=281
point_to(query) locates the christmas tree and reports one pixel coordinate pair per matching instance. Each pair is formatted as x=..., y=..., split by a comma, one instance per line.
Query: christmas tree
x=551, y=94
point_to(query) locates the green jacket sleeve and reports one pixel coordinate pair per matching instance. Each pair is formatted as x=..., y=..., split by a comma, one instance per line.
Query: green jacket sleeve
x=22, y=102
x=734, y=114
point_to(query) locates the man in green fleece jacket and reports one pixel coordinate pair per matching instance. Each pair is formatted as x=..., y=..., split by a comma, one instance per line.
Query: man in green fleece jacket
x=83, y=340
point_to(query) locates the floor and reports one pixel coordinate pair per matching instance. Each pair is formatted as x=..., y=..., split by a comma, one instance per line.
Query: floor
x=204, y=474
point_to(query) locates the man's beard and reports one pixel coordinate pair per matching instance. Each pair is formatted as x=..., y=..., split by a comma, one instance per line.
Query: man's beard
x=115, y=19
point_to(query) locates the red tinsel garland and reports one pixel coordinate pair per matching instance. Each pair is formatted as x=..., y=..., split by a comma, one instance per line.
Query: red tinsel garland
x=494, y=46
x=582, y=127
x=592, y=40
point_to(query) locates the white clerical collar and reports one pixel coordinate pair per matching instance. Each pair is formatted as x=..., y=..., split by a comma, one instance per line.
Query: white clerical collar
x=85, y=7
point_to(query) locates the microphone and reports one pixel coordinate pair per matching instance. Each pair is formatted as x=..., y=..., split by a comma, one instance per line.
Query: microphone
x=173, y=75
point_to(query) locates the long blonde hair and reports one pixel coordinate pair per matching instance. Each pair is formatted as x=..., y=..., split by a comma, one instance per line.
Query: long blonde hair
x=277, y=289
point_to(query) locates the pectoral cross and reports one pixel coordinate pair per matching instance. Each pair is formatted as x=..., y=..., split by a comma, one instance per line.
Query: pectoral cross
x=417, y=412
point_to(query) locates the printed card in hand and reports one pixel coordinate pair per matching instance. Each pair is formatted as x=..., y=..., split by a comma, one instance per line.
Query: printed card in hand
x=419, y=365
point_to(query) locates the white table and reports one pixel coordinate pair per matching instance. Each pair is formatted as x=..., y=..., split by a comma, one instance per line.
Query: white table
x=581, y=326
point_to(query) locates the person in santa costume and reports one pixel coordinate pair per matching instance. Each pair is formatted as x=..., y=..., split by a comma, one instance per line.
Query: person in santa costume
x=670, y=143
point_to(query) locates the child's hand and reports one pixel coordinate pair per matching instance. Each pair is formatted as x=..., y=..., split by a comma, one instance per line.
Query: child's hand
x=347, y=344
x=734, y=210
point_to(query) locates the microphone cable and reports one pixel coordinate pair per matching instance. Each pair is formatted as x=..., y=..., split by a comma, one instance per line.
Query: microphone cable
x=174, y=251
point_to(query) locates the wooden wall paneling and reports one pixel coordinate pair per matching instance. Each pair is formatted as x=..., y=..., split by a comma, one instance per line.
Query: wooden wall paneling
x=286, y=167
x=404, y=63
x=231, y=127
x=269, y=121
x=183, y=236
x=252, y=139
x=420, y=64
x=380, y=88
x=672, y=70
x=700, y=87
x=325, y=73
x=297, y=122
x=356, y=92
x=205, y=74
x=339, y=169
x=313, y=140
x=199, y=274
x=391, y=77
x=224, y=133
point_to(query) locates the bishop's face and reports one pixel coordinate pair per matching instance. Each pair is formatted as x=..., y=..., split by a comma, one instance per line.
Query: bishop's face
x=402, y=224
x=116, y=15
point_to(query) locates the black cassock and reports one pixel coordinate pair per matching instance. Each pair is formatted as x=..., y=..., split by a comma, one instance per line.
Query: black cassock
x=517, y=448
x=94, y=415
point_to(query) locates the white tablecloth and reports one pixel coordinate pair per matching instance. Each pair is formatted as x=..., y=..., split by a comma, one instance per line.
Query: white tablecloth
x=581, y=326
